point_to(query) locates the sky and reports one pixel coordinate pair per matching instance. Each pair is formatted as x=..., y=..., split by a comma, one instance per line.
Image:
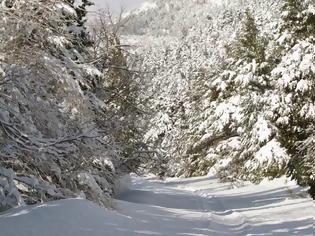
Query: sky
x=115, y=5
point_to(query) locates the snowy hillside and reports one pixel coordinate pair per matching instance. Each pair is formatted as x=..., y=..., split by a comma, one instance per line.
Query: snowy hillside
x=196, y=206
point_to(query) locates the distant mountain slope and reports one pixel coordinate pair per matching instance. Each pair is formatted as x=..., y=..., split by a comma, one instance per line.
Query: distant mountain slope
x=169, y=18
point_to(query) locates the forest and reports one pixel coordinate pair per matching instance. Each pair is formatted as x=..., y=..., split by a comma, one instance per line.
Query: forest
x=175, y=89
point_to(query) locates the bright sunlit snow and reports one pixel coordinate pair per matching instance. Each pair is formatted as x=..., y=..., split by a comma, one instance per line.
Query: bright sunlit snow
x=197, y=206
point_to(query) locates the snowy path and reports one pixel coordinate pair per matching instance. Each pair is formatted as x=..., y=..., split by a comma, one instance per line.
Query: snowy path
x=195, y=207
x=166, y=209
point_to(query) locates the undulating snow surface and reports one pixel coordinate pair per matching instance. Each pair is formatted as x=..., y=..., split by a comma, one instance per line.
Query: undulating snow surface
x=196, y=206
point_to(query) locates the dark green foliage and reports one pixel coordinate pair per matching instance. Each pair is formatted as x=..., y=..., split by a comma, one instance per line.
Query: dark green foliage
x=82, y=12
x=119, y=89
x=296, y=136
x=297, y=20
x=250, y=45
x=82, y=37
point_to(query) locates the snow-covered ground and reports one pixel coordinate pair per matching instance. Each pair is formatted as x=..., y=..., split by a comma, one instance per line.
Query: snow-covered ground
x=196, y=206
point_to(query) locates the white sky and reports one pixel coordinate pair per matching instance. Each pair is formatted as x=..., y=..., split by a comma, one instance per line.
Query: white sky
x=115, y=5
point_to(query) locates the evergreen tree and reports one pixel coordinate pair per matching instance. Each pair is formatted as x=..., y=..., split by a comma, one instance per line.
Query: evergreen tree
x=249, y=44
x=297, y=19
x=82, y=12
x=82, y=19
x=294, y=77
x=294, y=80
x=79, y=29
x=248, y=88
x=118, y=88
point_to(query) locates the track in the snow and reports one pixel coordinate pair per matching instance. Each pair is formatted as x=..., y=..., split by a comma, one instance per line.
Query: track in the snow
x=165, y=209
x=187, y=207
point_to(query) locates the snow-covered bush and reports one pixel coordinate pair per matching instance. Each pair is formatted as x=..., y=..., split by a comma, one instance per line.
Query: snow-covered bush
x=59, y=135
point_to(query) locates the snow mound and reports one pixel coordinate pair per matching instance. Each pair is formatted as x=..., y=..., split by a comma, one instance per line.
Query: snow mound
x=73, y=217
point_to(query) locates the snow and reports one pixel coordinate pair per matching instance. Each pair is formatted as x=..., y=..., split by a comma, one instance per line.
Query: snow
x=145, y=6
x=92, y=71
x=58, y=41
x=307, y=64
x=308, y=111
x=302, y=85
x=269, y=154
x=311, y=9
x=65, y=8
x=261, y=130
x=197, y=206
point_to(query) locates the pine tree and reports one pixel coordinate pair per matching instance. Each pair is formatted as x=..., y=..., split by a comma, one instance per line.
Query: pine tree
x=303, y=164
x=248, y=87
x=294, y=80
x=82, y=12
x=79, y=29
x=118, y=88
x=297, y=20
x=295, y=114
x=82, y=19
x=249, y=44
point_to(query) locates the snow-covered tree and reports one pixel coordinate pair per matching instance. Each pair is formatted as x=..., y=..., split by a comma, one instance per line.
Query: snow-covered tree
x=295, y=75
x=294, y=79
x=298, y=19
x=192, y=121
x=249, y=44
x=231, y=87
x=81, y=20
x=58, y=136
